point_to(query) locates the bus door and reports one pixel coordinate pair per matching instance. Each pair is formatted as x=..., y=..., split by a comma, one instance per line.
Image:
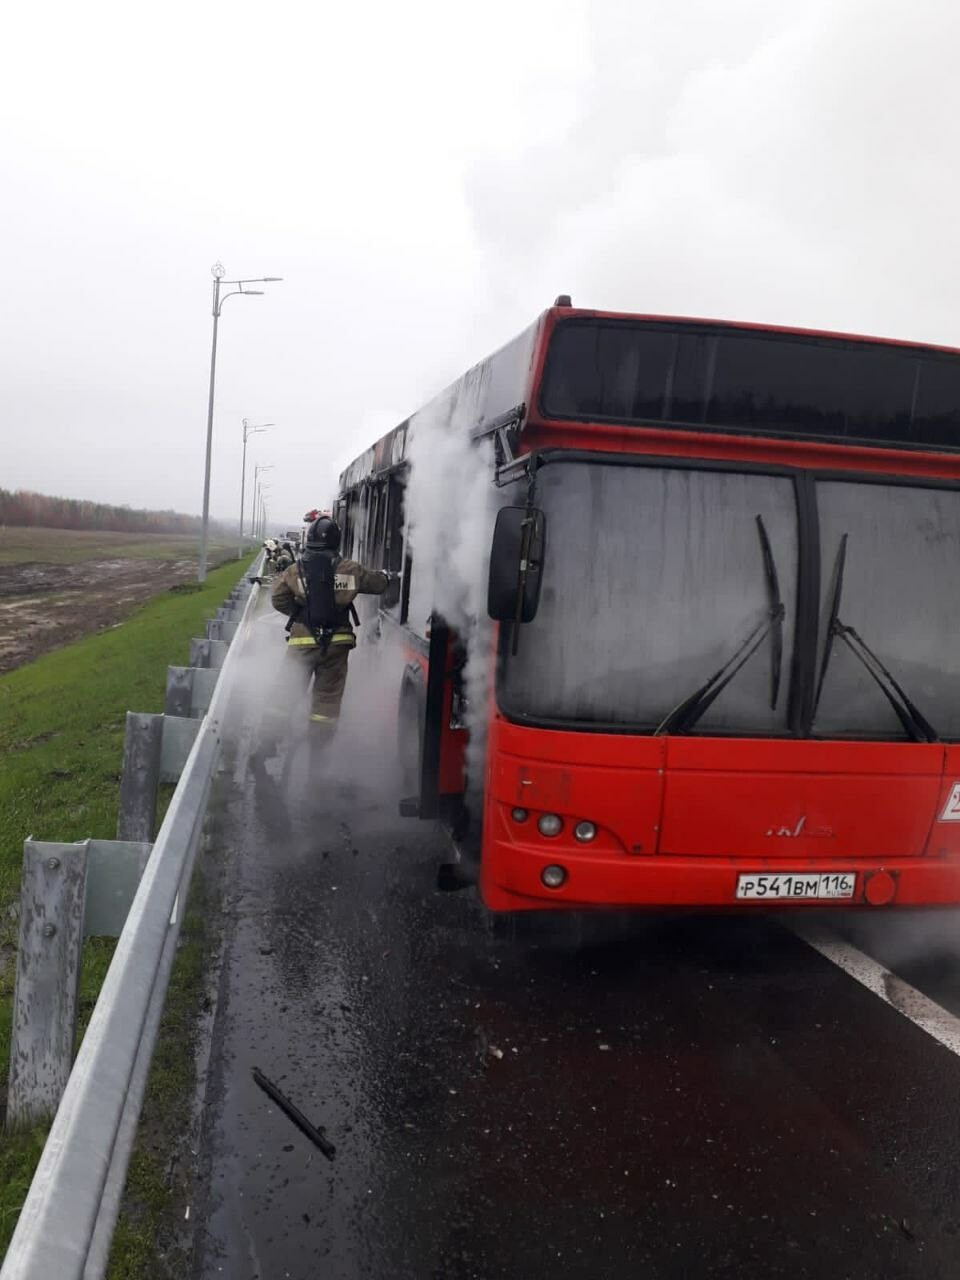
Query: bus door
x=435, y=738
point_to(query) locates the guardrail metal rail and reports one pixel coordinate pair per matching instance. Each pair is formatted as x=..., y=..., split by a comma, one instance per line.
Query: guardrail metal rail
x=68, y=1218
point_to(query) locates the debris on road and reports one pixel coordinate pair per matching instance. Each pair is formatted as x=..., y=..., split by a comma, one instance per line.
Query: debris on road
x=316, y=1136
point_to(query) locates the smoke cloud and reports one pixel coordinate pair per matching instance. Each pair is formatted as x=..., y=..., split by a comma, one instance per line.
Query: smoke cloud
x=270, y=707
x=451, y=505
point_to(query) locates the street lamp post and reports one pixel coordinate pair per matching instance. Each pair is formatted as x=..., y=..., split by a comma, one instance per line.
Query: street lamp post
x=253, y=502
x=217, y=271
x=261, y=514
x=248, y=430
x=257, y=488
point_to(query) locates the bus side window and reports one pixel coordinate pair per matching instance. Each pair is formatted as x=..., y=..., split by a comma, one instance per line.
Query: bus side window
x=368, y=552
x=346, y=525
x=380, y=528
x=364, y=525
x=405, y=586
x=403, y=551
x=393, y=538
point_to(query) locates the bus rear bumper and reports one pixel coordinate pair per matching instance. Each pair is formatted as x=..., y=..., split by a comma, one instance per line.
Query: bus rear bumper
x=510, y=880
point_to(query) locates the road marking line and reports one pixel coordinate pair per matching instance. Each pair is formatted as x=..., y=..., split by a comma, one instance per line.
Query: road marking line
x=931, y=1017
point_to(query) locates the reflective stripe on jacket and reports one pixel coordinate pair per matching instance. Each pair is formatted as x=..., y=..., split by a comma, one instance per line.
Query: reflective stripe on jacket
x=339, y=637
x=350, y=580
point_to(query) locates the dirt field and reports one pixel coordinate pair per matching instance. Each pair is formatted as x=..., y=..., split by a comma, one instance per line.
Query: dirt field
x=68, y=546
x=57, y=585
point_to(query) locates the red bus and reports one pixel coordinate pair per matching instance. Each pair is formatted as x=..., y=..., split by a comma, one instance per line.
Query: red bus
x=727, y=594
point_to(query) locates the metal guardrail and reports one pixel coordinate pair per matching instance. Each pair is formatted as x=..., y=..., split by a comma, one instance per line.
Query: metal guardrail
x=67, y=1221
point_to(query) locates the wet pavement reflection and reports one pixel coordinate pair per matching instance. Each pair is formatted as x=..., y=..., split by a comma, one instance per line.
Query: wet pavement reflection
x=576, y=1097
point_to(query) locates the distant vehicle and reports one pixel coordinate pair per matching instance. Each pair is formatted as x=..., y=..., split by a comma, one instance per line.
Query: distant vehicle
x=728, y=595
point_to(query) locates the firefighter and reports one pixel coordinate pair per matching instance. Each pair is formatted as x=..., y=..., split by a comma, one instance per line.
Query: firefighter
x=272, y=549
x=285, y=556
x=317, y=594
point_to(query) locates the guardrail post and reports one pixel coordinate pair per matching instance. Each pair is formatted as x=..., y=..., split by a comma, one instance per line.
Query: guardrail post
x=218, y=652
x=179, y=734
x=204, y=682
x=179, y=693
x=140, y=777
x=189, y=690
x=114, y=868
x=207, y=653
x=199, y=653
x=48, y=973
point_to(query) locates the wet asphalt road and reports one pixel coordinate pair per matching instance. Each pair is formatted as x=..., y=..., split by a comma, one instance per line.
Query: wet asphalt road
x=675, y=1097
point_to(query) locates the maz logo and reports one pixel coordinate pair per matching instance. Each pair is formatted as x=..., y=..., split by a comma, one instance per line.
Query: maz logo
x=801, y=829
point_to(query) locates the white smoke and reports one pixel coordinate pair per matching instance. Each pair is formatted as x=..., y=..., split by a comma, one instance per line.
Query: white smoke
x=451, y=506
x=902, y=939
x=365, y=752
x=270, y=702
x=267, y=689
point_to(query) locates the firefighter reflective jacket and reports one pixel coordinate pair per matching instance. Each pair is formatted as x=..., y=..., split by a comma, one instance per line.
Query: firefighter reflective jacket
x=350, y=580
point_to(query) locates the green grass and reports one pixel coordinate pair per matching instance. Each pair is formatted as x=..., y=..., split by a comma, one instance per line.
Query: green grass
x=61, y=740
x=19, y=1154
x=71, y=546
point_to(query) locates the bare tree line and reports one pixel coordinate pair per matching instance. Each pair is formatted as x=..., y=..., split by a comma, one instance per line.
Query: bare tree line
x=23, y=508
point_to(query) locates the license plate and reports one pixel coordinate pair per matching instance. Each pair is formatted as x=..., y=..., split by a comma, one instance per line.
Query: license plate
x=797, y=886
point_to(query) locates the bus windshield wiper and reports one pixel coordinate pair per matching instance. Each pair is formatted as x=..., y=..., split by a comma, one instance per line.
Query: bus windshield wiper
x=777, y=612
x=683, y=717
x=915, y=724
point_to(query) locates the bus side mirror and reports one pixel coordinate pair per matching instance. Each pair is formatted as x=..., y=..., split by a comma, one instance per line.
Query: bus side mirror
x=516, y=564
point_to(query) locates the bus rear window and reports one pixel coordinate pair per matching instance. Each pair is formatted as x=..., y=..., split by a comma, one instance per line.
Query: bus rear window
x=636, y=372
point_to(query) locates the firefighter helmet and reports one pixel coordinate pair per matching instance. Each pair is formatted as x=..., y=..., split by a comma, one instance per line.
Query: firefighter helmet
x=323, y=535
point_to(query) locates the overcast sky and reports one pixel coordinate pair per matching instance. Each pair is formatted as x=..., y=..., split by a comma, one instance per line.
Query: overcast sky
x=427, y=177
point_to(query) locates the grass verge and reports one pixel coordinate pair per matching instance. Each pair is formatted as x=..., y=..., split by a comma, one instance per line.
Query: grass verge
x=61, y=738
